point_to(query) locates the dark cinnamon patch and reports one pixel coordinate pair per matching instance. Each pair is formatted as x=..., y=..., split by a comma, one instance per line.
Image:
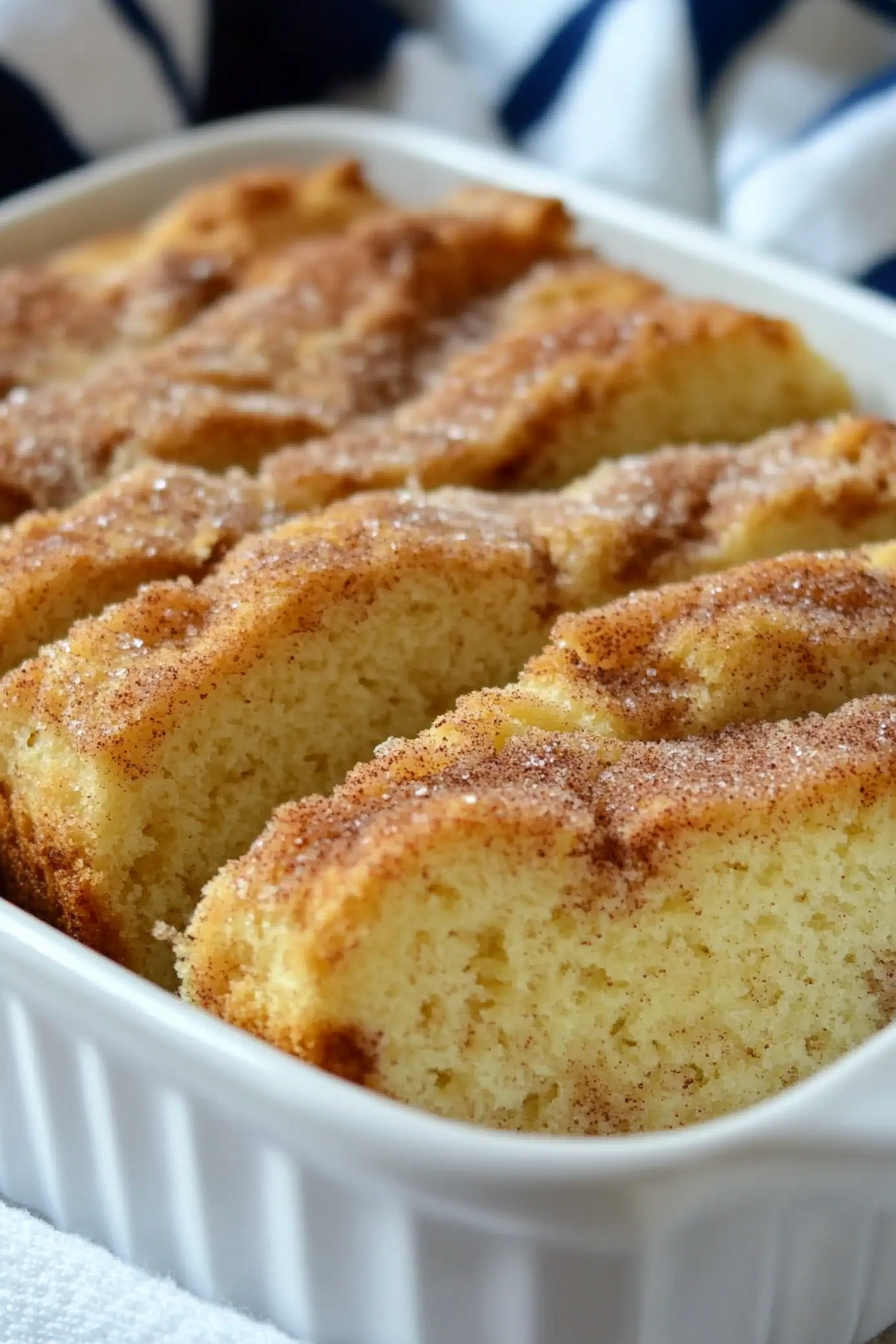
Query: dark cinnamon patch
x=676, y=516
x=881, y=982
x=174, y=287
x=619, y=867
x=347, y=1052
x=596, y=1110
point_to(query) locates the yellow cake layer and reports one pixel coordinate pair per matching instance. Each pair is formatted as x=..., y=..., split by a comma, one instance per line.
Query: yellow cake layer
x=653, y=882
x=150, y=745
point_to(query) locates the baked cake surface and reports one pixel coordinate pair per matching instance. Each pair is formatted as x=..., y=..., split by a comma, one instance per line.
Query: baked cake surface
x=561, y=910
x=156, y=522
x=540, y=405
x=150, y=745
x=123, y=291
x=334, y=327
x=163, y=732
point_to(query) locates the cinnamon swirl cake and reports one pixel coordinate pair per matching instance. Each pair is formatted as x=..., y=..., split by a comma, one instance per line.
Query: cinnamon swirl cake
x=653, y=882
x=123, y=291
x=156, y=522
x=330, y=328
x=536, y=407
x=516, y=359
x=150, y=745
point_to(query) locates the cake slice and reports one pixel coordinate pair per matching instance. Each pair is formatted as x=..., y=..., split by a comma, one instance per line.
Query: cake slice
x=153, y=742
x=150, y=745
x=156, y=522
x=336, y=327
x=583, y=905
x=123, y=291
x=542, y=404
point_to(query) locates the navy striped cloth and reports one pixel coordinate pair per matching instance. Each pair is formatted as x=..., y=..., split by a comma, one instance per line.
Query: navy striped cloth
x=776, y=118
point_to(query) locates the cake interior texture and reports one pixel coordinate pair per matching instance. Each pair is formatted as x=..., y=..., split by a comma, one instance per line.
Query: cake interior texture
x=295, y=470
x=150, y=745
x=646, y=922
x=153, y=742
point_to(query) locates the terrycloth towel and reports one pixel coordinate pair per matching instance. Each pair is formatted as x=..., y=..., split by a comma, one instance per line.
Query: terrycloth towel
x=776, y=118
x=57, y=1289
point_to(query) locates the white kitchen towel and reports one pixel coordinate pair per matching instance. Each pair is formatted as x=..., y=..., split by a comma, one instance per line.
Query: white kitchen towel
x=58, y=1289
x=776, y=118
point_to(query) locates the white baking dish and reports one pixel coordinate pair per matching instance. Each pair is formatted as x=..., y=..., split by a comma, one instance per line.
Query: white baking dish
x=196, y=1151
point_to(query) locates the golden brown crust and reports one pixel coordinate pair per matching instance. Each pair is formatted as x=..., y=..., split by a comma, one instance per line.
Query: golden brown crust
x=58, y=442
x=537, y=406
x=156, y=522
x=825, y=626
x=511, y=232
x=116, y=691
x=115, y=682
x=251, y=214
x=693, y=657
x=51, y=326
x=573, y=868
x=628, y=805
x=554, y=289
x=671, y=514
x=113, y=294
x=346, y=326
x=54, y=881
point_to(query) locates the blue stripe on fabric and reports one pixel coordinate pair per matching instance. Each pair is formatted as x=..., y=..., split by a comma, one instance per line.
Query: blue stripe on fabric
x=720, y=29
x=882, y=82
x=884, y=9
x=882, y=276
x=274, y=53
x=144, y=26
x=37, y=145
x=533, y=91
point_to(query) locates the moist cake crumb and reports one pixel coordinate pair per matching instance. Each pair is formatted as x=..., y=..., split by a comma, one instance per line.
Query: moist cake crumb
x=544, y=913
